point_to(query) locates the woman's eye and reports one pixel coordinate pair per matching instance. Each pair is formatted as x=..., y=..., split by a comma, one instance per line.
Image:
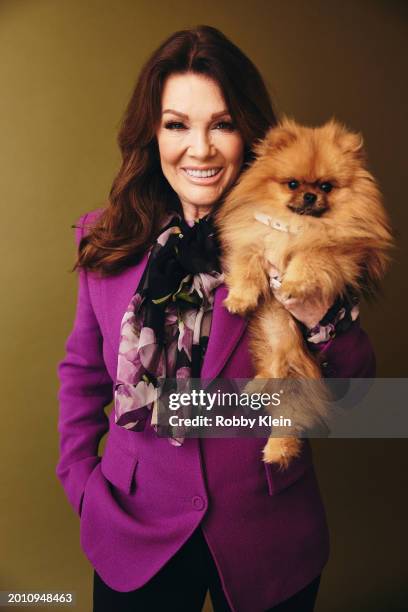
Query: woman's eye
x=293, y=184
x=326, y=187
x=225, y=125
x=174, y=125
x=178, y=125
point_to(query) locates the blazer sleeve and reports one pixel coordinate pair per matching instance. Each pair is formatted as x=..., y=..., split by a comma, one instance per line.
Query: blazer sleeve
x=350, y=354
x=85, y=389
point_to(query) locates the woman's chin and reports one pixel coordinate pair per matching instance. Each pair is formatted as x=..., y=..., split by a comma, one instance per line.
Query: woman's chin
x=204, y=201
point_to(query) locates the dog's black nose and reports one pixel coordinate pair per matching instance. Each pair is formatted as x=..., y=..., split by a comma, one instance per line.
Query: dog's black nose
x=310, y=198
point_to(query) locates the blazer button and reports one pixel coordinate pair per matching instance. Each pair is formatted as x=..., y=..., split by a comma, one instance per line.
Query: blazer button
x=198, y=502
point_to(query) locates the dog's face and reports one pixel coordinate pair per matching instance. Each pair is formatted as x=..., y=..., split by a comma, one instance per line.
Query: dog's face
x=309, y=171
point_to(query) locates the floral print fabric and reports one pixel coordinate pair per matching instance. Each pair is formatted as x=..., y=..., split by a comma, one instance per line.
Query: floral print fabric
x=165, y=329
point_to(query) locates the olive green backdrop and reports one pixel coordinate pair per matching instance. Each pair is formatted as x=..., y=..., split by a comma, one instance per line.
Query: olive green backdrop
x=67, y=68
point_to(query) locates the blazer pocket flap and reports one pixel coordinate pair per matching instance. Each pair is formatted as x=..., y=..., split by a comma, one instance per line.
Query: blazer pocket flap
x=279, y=479
x=118, y=466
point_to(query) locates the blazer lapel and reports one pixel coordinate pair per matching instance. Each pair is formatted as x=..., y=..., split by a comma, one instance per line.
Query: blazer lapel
x=226, y=331
x=116, y=293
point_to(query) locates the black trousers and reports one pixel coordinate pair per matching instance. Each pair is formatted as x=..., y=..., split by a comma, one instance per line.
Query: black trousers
x=181, y=586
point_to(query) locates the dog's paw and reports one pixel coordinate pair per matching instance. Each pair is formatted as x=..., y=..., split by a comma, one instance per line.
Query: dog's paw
x=240, y=303
x=296, y=290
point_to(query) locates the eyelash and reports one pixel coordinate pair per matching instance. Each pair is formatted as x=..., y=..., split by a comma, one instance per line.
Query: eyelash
x=230, y=126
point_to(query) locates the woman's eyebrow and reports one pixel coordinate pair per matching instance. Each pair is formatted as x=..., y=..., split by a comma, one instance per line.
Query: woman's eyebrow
x=213, y=116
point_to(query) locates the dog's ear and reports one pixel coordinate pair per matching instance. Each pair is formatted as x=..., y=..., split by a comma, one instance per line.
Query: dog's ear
x=348, y=141
x=352, y=143
x=277, y=138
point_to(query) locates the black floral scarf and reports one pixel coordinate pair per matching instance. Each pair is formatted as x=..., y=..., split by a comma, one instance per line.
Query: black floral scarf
x=165, y=329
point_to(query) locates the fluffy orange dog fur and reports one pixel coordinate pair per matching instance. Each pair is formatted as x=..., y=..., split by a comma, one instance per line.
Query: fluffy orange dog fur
x=336, y=237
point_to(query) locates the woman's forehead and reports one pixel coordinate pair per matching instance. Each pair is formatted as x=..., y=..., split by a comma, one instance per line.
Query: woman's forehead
x=193, y=95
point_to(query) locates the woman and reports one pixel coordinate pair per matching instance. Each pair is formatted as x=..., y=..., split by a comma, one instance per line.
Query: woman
x=163, y=522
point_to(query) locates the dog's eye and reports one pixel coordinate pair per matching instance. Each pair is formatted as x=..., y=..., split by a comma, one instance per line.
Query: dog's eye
x=293, y=184
x=326, y=187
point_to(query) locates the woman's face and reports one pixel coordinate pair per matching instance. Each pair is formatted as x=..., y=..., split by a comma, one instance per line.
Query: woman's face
x=201, y=151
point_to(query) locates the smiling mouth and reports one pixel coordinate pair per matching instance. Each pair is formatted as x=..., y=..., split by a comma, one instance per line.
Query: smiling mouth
x=203, y=177
x=202, y=173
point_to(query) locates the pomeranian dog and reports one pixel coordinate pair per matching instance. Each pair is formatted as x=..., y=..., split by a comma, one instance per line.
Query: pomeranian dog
x=309, y=207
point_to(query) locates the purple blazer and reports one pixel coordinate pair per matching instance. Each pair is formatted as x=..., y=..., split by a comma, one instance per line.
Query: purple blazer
x=143, y=498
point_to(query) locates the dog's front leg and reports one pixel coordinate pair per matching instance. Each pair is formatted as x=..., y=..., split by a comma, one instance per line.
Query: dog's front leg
x=246, y=280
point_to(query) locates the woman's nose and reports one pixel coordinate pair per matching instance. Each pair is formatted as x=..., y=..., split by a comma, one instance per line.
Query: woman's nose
x=201, y=145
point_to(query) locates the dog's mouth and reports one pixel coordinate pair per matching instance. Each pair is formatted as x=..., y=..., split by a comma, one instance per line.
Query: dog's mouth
x=310, y=210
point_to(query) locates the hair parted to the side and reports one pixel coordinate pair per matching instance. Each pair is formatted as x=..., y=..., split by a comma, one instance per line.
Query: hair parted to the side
x=140, y=194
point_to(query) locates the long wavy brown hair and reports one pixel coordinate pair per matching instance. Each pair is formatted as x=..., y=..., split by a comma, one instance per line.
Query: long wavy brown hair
x=140, y=194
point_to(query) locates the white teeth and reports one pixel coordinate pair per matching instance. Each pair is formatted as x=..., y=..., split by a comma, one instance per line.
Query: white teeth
x=203, y=173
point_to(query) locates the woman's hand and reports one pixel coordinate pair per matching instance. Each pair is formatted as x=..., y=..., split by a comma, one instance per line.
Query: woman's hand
x=308, y=312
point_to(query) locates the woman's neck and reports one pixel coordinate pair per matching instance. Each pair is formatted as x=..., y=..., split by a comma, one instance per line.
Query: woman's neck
x=193, y=213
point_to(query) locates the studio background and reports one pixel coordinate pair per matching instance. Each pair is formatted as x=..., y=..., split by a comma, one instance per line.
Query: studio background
x=67, y=69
